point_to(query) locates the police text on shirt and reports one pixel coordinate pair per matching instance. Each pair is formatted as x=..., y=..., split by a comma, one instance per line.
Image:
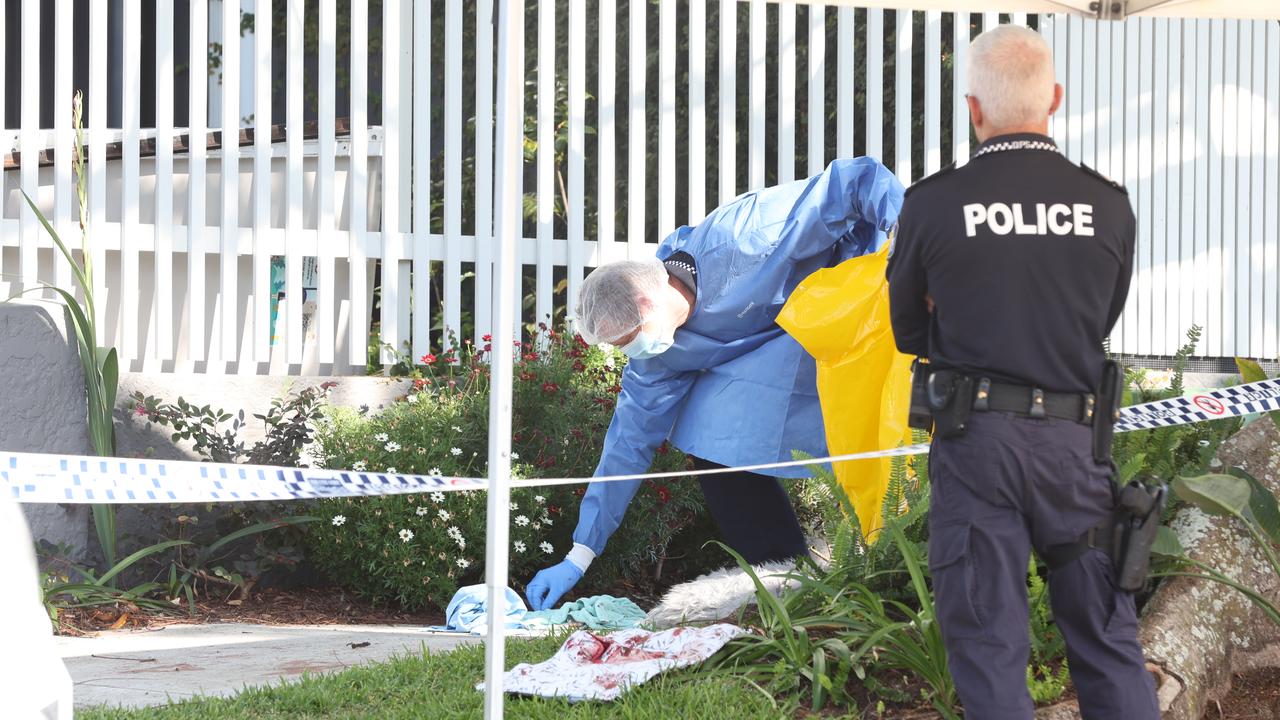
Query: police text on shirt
x=1056, y=218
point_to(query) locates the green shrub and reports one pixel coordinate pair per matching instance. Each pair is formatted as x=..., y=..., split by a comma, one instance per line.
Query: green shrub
x=417, y=550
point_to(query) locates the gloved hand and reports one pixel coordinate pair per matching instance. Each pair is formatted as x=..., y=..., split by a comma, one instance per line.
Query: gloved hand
x=546, y=588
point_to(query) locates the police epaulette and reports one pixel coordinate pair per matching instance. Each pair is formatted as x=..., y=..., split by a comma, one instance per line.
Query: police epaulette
x=928, y=178
x=1104, y=178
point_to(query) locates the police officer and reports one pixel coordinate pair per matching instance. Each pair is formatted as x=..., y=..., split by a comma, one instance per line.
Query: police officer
x=1007, y=274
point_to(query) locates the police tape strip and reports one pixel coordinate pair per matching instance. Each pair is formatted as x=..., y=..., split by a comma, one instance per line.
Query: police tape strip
x=77, y=479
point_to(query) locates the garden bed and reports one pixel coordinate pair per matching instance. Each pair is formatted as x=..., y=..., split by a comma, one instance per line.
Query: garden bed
x=271, y=606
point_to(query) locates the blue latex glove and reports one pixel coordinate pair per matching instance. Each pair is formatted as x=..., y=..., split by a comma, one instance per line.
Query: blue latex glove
x=547, y=587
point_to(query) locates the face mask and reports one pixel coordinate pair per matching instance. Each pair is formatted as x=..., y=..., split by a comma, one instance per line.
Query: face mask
x=646, y=346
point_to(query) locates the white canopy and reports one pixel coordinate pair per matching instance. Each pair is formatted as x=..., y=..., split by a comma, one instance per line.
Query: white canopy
x=1102, y=9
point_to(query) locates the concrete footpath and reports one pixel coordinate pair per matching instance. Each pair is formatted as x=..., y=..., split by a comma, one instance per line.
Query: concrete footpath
x=135, y=668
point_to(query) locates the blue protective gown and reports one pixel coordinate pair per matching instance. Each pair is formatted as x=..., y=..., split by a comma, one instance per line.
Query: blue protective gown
x=735, y=389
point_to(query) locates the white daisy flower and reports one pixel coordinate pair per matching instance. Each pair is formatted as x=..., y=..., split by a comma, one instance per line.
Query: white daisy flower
x=521, y=520
x=519, y=546
x=444, y=514
x=514, y=507
x=359, y=466
x=539, y=499
x=437, y=496
x=455, y=451
x=339, y=520
x=462, y=543
x=423, y=511
x=406, y=535
x=515, y=456
x=411, y=399
x=391, y=470
x=547, y=521
x=463, y=563
x=536, y=527
x=392, y=446
x=380, y=437
x=546, y=547
x=434, y=472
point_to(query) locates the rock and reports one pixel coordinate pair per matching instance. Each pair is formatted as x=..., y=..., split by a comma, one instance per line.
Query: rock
x=45, y=408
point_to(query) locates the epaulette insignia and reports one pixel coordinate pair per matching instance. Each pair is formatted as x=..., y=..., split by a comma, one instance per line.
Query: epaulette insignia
x=930, y=178
x=1104, y=178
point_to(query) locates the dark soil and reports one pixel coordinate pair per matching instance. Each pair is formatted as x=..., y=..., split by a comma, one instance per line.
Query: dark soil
x=1254, y=695
x=297, y=606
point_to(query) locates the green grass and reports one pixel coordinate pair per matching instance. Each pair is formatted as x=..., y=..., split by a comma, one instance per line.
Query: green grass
x=442, y=685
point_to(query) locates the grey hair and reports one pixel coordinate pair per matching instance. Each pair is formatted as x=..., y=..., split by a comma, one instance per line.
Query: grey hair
x=1011, y=75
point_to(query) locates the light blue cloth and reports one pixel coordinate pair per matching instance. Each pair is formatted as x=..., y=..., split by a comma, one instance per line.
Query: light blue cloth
x=602, y=612
x=735, y=389
x=468, y=610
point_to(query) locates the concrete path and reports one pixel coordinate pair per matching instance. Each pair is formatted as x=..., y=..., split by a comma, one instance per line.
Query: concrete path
x=135, y=668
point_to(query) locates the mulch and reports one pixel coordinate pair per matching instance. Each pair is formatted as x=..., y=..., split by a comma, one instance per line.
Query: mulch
x=308, y=606
x=1254, y=695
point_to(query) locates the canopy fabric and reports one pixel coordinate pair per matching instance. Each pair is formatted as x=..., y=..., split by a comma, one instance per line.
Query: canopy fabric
x=1106, y=9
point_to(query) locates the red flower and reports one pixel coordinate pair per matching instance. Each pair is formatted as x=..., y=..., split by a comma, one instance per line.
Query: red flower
x=664, y=494
x=526, y=376
x=419, y=384
x=663, y=449
x=550, y=388
x=428, y=359
x=530, y=356
x=579, y=491
x=487, y=338
x=488, y=347
x=578, y=339
x=577, y=365
x=542, y=326
x=575, y=353
x=140, y=409
x=615, y=389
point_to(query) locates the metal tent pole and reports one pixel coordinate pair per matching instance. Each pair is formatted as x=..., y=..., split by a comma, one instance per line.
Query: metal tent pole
x=509, y=157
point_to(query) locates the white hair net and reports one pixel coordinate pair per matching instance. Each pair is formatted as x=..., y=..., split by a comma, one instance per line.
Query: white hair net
x=616, y=298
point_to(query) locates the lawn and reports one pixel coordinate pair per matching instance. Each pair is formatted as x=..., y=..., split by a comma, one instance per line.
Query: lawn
x=442, y=686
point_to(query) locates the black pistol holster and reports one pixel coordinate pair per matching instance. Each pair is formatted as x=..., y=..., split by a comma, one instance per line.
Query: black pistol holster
x=1126, y=536
x=941, y=400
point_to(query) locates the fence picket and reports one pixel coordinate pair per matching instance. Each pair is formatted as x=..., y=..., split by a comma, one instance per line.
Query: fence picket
x=786, y=135
x=263, y=233
x=229, y=172
x=816, y=115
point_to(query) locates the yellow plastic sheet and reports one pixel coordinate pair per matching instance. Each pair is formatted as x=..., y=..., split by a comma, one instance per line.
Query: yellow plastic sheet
x=840, y=316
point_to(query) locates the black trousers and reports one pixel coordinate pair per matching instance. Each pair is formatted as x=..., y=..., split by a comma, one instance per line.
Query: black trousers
x=754, y=514
x=1008, y=485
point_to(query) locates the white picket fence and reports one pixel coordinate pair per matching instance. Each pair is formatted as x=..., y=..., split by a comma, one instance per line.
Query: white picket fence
x=1185, y=113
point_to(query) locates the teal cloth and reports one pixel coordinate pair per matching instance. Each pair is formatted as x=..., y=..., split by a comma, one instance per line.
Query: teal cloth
x=602, y=612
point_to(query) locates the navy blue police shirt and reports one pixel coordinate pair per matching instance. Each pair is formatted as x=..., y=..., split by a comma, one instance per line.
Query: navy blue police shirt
x=1027, y=258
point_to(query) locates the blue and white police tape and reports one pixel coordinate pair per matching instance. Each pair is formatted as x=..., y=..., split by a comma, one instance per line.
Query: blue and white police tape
x=42, y=478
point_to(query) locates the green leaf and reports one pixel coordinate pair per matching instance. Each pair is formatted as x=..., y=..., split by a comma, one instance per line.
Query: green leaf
x=1216, y=494
x=1251, y=371
x=144, y=552
x=1167, y=543
x=75, y=266
x=1263, y=509
x=110, y=378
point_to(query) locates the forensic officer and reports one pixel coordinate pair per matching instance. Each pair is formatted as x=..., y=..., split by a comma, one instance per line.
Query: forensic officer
x=1007, y=274
x=710, y=370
